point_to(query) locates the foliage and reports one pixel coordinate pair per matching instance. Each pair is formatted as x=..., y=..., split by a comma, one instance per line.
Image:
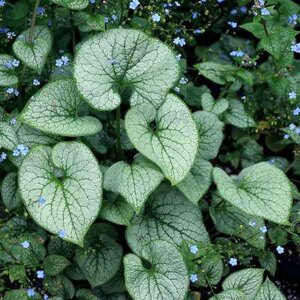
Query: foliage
x=148, y=150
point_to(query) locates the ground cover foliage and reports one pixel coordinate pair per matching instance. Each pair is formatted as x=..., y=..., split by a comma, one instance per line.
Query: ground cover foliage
x=149, y=149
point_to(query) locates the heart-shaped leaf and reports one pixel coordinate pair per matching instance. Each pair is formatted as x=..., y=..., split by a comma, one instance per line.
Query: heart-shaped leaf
x=169, y=216
x=33, y=53
x=119, y=59
x=62, y=188
x=167, y=136
x=260, y=190
x=134, y=182
x=210, y=134
x=197, y=181
x=269, y=290
x=7, y=76
x=72, y=4
x=231, y=220
x=247, y=280
x=8, y=138
x=209, y=104
x=100, y=263
x=165, y=279
x=54, y=110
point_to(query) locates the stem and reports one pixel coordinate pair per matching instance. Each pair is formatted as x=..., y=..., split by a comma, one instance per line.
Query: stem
x=72, y=31
x=30, y=36
x=118, y=132
x=292, y=163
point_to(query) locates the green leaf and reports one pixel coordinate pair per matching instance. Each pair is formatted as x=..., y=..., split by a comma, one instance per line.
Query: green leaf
x=72, y=4
x=269, y=291
x=84, y=294
x=166, y=278
x=69, y=181
x=230, y=295
x=116, y=210
x=109, y=63
x=54, y=110
x=168, y=215
x=60, y=247
x=166, y=136
x=247, y=280
x=134, y=182
x=231, y=220
x=20, y=294
x=212, y=267
x=198, y=180
x=100, y=262
x=237, y=116
x=210, y=134
x=55, y=264
x=257, y=29
x=8, y=138
x=7, y=76
x=217, y=72
x=260, y=190
x=268, y=261
x=9, y=191
x=209, y=104
x=17, y=273
x=59, y=286
x=34, y=54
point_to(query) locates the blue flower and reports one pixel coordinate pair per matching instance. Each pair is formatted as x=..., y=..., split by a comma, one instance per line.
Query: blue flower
x=297, y=130
x=233, y=261
x=234, y=12
x=179, y=41
x=42, y=200
x=25, y=244
x=194, y=249
x=178, y=57
x=3, y=157
x=36, y=82
x=92, y=1
x=46, y=297
x=232, y=24
x=292, y=95
x=114, y=18
x=59, y=62
x=261, y=2
x=41, y=11
x=296, y=48
x=65, y=60
x=243, y=9
x=292, y=20
x=13, y=122
x=265, y=12
x=30, y=292
x=280, y=249
x=252, y=223
x=40, y=274
x=193, y=278
x=296, y=111
x=2, y=3
x=156, y=17
x=62, y=233
x=195, y=14
x=292, y=126
x=286, y=136
x=263, y=229
x=10, y=91
x=134, y=4
x=238, y=53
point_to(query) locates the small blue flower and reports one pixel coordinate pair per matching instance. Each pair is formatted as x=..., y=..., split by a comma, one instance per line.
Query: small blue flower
x=252, y=223
x=30, y=292
x=233, y=261
x=42, y=200
x=92, y=1
x=179, y=41
x=3, y=157
x=195, y=15
x=4, y=29
x=243, y=9
x=134, y=4
x=198, y=31
x=156, y=17
x=10, y=35
x=280, y=249
x=178, y=57
x=177, y=3
x=36, y=82
x=40, y=274
x=265, y=12
x=106, y=19
x=292, y=126
x=232, y=24
x=296, y=48
x=193, y=278
x=59, y=62
x=292, y=20
x=234, y=12
x=41, y=11
x=261, y=3
x=10, y=91
x=2, y=3
x=194, y=249
x=15, y=63
x=114, y=18
x=46, y=297
x=236, y=53
x=292, y=95
x=297, y=130
x=263, y=229
x=25, y=244
x=286, y=136
x=65, y=60
x=296, y=111
x=13, y=122
x=62, y=233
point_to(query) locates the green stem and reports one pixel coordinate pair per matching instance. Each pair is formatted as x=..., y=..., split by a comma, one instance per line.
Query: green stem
x=30, y=37
x=292, y=163
x=118, y=132
x=73, y=36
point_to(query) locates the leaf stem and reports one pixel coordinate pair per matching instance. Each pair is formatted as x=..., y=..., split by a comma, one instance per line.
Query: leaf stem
x=33, y=19
x=292, y=163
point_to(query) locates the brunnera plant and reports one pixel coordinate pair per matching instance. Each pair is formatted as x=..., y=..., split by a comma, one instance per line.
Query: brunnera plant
x=114, y=167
